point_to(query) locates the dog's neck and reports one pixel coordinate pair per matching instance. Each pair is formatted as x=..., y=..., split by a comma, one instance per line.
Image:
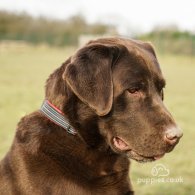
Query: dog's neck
x=86, y=133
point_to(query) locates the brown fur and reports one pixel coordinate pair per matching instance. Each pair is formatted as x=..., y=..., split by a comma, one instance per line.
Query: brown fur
x=110, y=87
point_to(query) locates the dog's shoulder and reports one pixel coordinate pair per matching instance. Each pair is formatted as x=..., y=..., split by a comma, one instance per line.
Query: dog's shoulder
x=30, y=130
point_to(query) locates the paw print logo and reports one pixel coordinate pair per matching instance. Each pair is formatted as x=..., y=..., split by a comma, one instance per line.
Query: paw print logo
x=160, y=170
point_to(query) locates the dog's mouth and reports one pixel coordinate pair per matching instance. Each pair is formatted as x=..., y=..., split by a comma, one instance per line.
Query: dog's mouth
x=122, y=146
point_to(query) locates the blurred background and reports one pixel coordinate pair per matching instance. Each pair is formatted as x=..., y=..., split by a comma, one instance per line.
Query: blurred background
x=37, y=36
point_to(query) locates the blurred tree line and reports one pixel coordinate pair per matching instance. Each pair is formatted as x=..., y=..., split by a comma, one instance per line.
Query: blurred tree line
x=169, y=39
x=23, y=27
x=43, y=30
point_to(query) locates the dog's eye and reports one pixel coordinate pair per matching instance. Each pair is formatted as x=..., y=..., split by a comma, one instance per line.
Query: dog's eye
x=134, y=90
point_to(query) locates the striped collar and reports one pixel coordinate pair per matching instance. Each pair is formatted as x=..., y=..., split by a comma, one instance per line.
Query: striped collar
x=56, y=116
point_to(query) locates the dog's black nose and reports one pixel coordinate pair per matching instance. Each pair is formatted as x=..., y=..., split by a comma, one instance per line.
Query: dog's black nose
x=172, y=135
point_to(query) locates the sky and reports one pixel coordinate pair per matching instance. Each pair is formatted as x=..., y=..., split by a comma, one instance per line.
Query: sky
x=128, y=15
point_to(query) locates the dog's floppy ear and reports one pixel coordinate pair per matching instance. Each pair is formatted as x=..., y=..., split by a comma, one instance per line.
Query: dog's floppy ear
x=89, y=75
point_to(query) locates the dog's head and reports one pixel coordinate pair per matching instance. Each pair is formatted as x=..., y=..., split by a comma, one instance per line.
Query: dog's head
x=121, y=83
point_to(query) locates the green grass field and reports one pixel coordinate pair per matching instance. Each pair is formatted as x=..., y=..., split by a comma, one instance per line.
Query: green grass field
x=23, y=73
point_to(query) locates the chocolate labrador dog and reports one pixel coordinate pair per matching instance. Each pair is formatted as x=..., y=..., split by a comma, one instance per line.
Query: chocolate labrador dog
x=103, y=107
